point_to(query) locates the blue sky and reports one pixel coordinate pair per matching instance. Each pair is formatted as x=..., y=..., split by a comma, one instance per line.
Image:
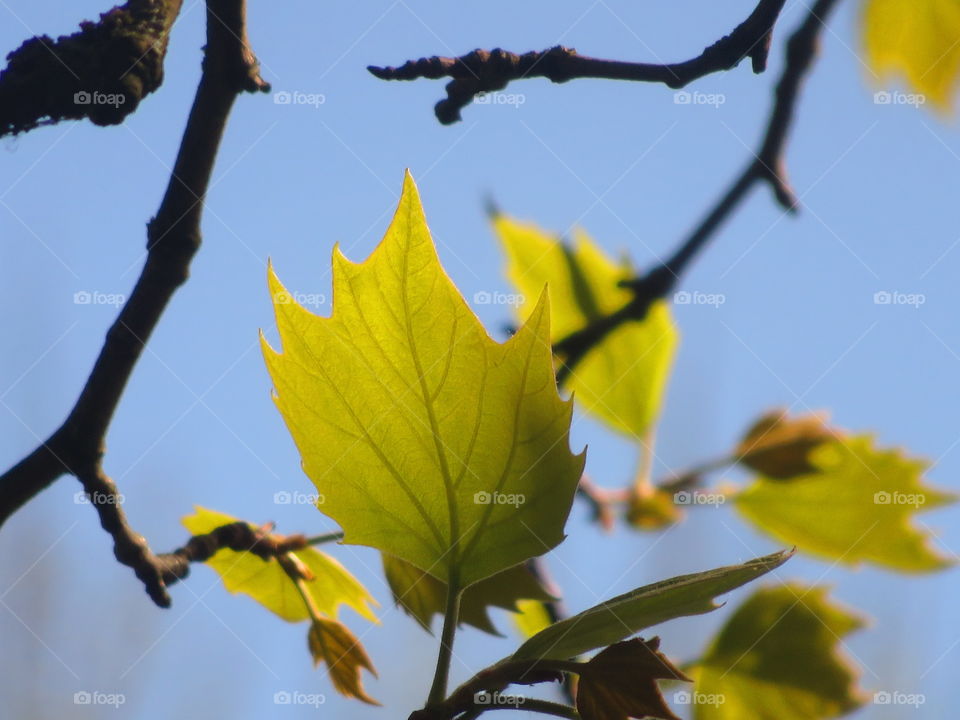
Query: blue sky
x=799, y=326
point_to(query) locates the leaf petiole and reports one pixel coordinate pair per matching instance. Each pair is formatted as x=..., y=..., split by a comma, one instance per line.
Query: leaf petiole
x=325, y=538
x=451, y=617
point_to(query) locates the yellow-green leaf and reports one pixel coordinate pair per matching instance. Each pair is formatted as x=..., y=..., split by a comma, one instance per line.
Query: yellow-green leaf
x=623, y=378
x=429, y=440
x=267, y=583
x=627, y=614
x=857, y=507
x=330, y=642
x=531, y=618
x=918, y=39
x=423, y=596
x=777, y=658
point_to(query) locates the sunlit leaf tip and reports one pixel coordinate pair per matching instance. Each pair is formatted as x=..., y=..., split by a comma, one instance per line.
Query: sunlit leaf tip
x=427, y=439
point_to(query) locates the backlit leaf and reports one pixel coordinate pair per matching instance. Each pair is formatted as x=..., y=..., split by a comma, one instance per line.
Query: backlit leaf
x=627, y=614
x=429, y=440
x=919, y=40
x=332, y=643
x=777, y=658
x=267, y=583
x=857, y=507
x=423, y=596
x=622, y=380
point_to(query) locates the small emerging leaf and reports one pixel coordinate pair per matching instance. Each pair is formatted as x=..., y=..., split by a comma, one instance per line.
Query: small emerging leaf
x=622, y=380
x=652, y=508
x=627, y=614
x=779, y=447
x=857, y=507
x=423, y=596
x=267, y=583
x=778, y=657
x=620, y=682
x=429, y=440
x=330, y=642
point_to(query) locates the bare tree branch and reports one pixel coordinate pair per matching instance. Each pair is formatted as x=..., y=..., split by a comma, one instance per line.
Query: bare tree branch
x=173, y=237
x=484, y=71
x=101, y=73
x=767, y=166
x=238, y=536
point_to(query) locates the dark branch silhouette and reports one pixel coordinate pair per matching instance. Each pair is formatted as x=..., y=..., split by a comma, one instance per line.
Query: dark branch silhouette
x=229, y=68
x=101, y=73
x=173, y=237
x=484, y=71
x=767, y=166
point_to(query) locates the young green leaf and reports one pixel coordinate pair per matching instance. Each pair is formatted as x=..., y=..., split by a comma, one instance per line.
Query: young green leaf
x=423, y=596
x=777, y=657
x=778, y=446
x=627, y=614
x=429, y=440
x=619, y=682
x=330, y=642
x=856, y=507
x=267, y=583
x=917, y=39
x=622, y=380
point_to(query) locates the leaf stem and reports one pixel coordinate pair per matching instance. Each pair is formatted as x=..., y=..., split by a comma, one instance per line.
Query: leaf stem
x=288, y=563
x=325, y=538
x=451, y=617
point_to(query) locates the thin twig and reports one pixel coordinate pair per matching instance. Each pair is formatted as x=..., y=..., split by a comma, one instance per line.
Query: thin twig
x=767, y=166
x=484, y=71
x=173, y=237
x=238, y=536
